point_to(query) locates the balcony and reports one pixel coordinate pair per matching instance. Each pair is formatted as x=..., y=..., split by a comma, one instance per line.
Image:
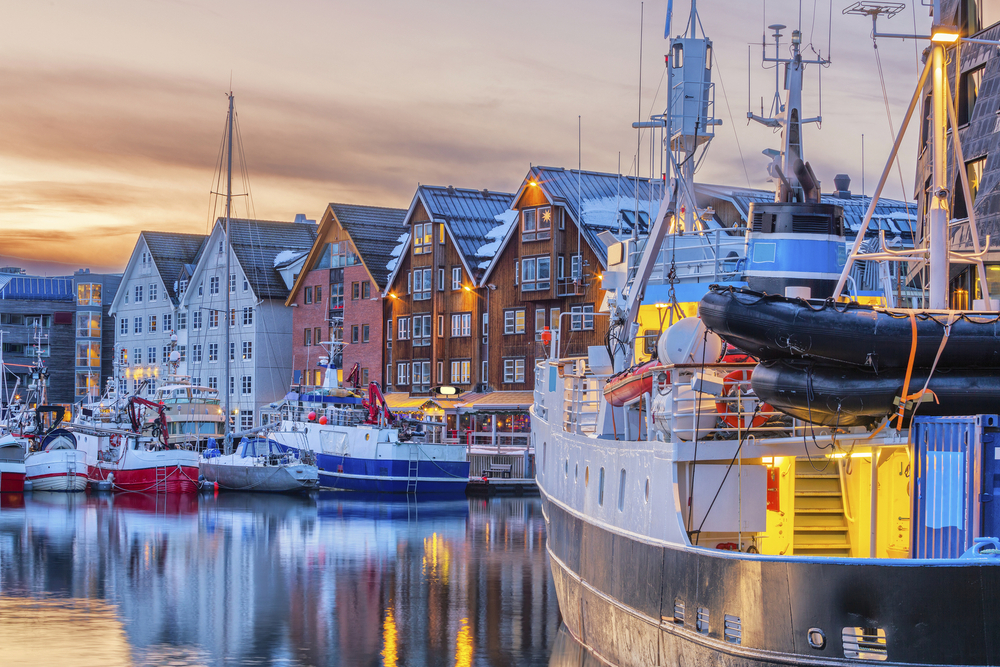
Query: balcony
x=571, y=287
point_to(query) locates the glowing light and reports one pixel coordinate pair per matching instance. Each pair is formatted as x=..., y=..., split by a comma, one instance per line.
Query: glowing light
x=389, y=635
x=466, y=288
x=463, y=645
x=532, y=183
x=945, y=37
x=855, y=455
x=392, y=296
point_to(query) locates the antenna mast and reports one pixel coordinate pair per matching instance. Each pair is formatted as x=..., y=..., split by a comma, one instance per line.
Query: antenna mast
x=229, y=313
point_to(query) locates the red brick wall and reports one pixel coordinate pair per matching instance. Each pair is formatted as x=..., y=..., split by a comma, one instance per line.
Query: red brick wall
x=310, y=316
x=357, y=313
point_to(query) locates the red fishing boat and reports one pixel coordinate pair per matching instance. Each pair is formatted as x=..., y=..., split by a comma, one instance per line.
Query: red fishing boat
x=631, y=384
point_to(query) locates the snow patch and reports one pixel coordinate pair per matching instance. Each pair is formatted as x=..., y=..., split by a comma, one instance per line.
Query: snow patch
x=286, y=256
x=496, y=236
x=603, y=212
x=401, y=243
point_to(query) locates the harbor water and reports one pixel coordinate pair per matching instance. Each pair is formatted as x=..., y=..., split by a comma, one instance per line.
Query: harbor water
x=243, y=579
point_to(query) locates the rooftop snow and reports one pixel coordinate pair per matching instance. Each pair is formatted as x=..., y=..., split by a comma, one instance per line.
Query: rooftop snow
x=401, y=243
x=496, y=236
x=603, y=212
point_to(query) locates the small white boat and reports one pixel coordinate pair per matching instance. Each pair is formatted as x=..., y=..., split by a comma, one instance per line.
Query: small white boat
x=58, y=465
x=259, y=464
x=11, y=464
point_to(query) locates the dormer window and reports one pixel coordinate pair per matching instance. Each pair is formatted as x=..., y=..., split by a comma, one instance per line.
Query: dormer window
x=544, y=223
x=528, y=224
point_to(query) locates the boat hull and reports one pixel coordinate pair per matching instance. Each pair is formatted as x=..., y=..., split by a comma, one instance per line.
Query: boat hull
x=772, y=327
x=58, y=470
x=617, y=596
x=11, y=477
x=290, y=478
x=391, y=476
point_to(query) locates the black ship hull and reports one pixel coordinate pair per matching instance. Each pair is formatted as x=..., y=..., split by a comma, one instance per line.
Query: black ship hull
x=634, y=602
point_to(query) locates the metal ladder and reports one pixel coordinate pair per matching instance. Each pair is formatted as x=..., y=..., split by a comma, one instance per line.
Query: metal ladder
x=161, y=479
x=412, y=469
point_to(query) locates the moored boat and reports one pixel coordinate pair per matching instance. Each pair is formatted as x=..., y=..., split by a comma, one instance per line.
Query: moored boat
x=57, y=464
x=11, y=464
x=260, y=465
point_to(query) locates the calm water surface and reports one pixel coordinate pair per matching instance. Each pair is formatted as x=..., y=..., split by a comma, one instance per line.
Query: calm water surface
x=334, y=579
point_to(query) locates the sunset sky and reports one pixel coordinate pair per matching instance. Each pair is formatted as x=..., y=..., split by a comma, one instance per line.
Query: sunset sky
x=112, y=112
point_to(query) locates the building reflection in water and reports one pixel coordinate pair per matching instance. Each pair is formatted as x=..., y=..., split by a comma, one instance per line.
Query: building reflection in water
x=334, y=579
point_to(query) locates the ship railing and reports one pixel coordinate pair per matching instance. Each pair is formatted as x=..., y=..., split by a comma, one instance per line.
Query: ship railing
x=582, y=393
x=498, y=465
x=705, y=255
x=335, y=416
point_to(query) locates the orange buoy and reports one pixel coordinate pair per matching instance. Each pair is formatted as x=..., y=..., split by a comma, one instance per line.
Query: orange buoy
x=311, y=416
x=323, y=420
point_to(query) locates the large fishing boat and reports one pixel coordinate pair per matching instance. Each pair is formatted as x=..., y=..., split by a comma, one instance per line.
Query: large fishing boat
x=360, y=445
x=696, y=523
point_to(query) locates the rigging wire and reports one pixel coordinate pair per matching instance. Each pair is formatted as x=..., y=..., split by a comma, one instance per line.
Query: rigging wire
x=732, y=122
x=892, y=129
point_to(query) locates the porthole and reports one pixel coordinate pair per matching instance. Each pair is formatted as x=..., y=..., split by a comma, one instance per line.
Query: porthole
x=367, y=435
x=576, y=471
x=566, y=468
x=647, y=489
x=817, y=638
x=586, y=476
x=621, y=491
x=600, y=489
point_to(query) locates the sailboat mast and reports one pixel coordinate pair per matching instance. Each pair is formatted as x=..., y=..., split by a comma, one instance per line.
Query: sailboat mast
x=229, y=313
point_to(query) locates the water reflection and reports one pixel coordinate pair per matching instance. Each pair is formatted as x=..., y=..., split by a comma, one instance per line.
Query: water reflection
x=336, y=579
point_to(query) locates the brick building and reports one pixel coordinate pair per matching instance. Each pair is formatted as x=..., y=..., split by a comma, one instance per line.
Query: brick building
x=337, y=295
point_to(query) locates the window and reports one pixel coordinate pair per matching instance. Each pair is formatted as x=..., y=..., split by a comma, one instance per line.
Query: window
x=365, y=331
x=213, y=285
x=423, y=238
x=88, y=354
x=88, y=325
x=166, y=353
x=560, y=267
x=232, y=283
x=318, y=291
x=440, y=372
x=409, y=281
x=440, y=279
x=461, y=371
x=181, y=321
x=196, y=319
x=213, y=319
x=513, y=370
x=354, y=334
x=513, y=321
x=974, y=170
x=213, y=382
x=600, y=488
x=486, y=325
x=366, y=287
x=138, y=293
x=485, y=377
x=539, y=322
x=88, y=294
x=151, y=355
x=137, y=325
x=246, y=285
x=403, y=373
x=421, y=375
x=621, y=491
x=543, y=223
x=182, y=351
x=123, y=357
x=404, y=329
x=421, y=330
x=196, y=354
x=232, y=351
x=968, y=93
x=355, y=291
x=562, y=218
x=388, y=374
x=456, y=277
x=247, y=384
x=152, y=292
x=246, y=419
x=137, y=356
x=336, y=296
x=441, y=327
x=247, y=350
x=247, y=316
x=456, y=325
x=528, y=224
x=232, y=318
x=441, y=234
x=182, y=287
x=580, y=320
x=309, y=295
x=168, y=321
x=232, y=385
x=422, y=284
x=213, y=352
x=388, y=333
x=575, y=267
x=221, y=249
x=554, y=316
x=536, y=273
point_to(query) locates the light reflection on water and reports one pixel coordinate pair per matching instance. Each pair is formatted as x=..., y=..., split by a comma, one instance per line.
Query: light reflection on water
x=336, y=579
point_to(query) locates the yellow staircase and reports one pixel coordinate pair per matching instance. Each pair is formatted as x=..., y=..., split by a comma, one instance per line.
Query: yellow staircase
x=820, y=525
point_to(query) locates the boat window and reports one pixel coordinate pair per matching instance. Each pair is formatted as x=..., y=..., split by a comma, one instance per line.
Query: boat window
x=576, y=472
x=207, y=427
x=647, y=489
x=566, y=468
x=621, y=492
x=586, y=476
x=600, y=488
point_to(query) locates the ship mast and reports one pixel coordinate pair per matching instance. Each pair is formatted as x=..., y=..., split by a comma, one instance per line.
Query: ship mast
x=937, y=254
x=229, y=312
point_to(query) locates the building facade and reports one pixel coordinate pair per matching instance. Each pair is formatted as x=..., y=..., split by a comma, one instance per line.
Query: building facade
x=337, y=297
x=95, y=331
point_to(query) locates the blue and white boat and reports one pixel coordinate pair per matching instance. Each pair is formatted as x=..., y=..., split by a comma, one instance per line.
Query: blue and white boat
x=361, y=445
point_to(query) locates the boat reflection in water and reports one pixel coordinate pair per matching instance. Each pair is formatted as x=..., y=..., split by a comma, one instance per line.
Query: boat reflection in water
x=331, y=579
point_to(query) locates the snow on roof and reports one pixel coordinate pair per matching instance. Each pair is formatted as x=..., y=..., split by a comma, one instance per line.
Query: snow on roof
x=287, y=257
x=496, y=236
x=603, y=212
x=401, y=243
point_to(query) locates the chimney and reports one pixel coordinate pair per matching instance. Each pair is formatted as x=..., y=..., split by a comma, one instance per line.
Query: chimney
x=843, y=184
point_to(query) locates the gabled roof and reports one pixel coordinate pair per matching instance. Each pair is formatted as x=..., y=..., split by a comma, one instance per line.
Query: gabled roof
x=602, y=196
x=374, y=231
x=469, y=215
x=257, y=242
x=170, y=252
